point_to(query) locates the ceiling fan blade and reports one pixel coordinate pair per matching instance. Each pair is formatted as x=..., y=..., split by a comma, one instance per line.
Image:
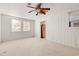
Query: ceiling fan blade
x=31, y=7
x=38, y=6
x=43, y=12
x=45, y=8
x=31, y=11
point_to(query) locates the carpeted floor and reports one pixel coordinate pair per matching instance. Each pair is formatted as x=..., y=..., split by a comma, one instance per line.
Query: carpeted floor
x=35, y=47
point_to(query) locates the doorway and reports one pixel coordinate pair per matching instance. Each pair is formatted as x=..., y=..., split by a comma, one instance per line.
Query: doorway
x=43, y=29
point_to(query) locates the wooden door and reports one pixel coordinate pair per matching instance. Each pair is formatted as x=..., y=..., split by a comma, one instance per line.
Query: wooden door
x=43, y=30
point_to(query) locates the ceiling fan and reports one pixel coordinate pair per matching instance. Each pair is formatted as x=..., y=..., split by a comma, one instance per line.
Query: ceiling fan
x=38, y=9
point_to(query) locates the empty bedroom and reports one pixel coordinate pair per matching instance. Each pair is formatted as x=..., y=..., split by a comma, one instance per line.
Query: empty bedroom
x=39, y=29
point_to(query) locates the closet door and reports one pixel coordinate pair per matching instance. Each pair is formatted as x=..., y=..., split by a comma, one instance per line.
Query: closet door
x=76, y=34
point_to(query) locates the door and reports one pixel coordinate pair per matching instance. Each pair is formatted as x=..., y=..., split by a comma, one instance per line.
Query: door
x=43, y=30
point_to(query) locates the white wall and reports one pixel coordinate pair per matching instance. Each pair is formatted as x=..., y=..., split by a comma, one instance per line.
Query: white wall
x=6, y=32
x=0, y=27
x=58, y=29
x=37, y=27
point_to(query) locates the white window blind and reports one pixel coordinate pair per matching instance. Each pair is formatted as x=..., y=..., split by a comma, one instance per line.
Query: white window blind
x=26, y=26
x=16, y=25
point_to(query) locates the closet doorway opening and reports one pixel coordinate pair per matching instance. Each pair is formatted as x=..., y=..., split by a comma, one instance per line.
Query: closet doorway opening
x=43, y=29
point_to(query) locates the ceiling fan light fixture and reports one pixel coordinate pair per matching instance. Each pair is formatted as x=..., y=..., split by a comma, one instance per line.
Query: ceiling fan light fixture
x=39, y=9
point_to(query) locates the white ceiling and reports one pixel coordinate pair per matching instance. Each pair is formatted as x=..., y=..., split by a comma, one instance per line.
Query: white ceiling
x=20, y=9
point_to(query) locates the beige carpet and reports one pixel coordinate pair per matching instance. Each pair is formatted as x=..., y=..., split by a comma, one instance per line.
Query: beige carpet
x=35, y=47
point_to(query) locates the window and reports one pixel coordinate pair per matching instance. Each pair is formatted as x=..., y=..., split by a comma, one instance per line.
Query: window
x=16, y=25
x=26, y=26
